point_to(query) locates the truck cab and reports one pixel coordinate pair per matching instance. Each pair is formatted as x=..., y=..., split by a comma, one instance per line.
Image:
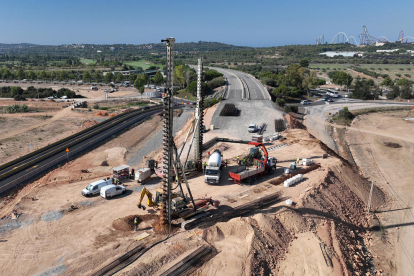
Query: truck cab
x=212, y=175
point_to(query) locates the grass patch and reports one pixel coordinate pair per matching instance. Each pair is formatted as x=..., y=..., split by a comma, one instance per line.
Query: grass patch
x=185, y=95
x=330, y=66
x=137, y=104
x=143, y=63
x=87, y=61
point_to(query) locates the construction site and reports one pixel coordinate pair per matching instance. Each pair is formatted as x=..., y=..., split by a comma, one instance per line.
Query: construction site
x=201, y=200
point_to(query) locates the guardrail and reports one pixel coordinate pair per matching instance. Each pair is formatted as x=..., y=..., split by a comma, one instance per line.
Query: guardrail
x=99, y=127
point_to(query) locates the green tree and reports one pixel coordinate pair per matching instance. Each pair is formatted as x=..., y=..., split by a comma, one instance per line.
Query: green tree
x=158, y=79
x=192, y=87
x=395, y=92
x=310, y=81
x=97, y=76
x=53, y=75
x=16, y=90
x=406, y=92
x=86, y=76
x=63, y=75
x=140, y=83
x=179, y=75
x=20, y=74
x=42, y=75
x=120, y=77
x=370, y=82
x=280, y=102
x=7, y=74
x=31, y=75
x=108, y=77
x=361, y=90
x=294, y=75
x=387, y=82
x=403, y=82
x=132, y=77
x=304, y=62
x=342, y=78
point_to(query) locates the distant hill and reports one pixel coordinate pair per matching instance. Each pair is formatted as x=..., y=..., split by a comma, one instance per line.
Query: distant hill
x=86, y=49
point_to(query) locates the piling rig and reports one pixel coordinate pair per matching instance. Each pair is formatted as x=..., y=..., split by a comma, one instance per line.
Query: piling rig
x=183, y=206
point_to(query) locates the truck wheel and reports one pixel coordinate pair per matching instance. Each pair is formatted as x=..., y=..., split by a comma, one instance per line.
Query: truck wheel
x=124, y=192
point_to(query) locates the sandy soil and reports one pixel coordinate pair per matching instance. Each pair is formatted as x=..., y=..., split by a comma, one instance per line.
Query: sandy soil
x=391, y=169
x=48, y=237
x=38, y=131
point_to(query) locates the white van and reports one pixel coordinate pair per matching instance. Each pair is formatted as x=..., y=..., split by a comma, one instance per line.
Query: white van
x=95, y=187
x=334, y=94
x=112, y=190
x=64, y=97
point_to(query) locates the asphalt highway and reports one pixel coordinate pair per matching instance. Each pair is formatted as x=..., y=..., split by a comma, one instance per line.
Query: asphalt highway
x=243, y=86
x=23, y=169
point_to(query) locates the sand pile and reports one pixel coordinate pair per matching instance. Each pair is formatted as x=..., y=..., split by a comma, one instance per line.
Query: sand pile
x=251, y=245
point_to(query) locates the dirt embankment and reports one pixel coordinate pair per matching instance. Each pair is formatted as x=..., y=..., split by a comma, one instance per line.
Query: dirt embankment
x=324, y=233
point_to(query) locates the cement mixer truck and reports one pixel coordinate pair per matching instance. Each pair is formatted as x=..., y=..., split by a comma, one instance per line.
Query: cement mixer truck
x=212, y=174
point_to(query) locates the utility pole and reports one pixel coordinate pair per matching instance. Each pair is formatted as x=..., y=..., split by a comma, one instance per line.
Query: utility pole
x=165, y=214
x=199, y=114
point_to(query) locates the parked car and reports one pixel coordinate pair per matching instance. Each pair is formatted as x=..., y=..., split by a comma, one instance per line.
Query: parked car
x=329, y=100
x=112, y=190
x=252, y=128
x=145, y=108
x=95, y=187
x=305, y=102
x=325, y=99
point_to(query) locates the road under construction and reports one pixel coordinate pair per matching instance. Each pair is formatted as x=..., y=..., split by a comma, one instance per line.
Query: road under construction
x=309, y=219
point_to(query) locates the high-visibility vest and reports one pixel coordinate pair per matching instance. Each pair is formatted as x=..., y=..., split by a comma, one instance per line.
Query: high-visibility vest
x=136, y=221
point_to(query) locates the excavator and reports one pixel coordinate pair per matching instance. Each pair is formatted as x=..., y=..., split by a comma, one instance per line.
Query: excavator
x=179, y=205
x=156, y=202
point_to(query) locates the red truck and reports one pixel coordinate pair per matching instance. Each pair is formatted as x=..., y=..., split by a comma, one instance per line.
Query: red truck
x=260, y=167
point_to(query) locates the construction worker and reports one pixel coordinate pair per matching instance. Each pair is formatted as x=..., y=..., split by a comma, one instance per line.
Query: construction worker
x=204, y=167
x=297, y=161
x=238, y=157
x=136, y=224
x=294, y=166
x=226, y=162
x=244, y=161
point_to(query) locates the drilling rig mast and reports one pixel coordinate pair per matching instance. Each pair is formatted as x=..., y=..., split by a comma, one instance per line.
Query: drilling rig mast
x=199, y=113
x=165, y=212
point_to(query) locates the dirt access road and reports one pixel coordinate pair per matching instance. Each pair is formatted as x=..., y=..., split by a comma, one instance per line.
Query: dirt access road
x=392, y=169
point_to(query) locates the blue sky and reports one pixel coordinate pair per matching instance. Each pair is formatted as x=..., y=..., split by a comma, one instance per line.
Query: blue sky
x=243, y=22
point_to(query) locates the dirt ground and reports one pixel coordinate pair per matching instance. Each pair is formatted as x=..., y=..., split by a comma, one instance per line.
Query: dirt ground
x=327, y=218
x=391, y=169
x=23, y=133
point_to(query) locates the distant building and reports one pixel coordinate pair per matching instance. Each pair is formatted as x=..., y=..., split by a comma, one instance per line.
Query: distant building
x=387, y=51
